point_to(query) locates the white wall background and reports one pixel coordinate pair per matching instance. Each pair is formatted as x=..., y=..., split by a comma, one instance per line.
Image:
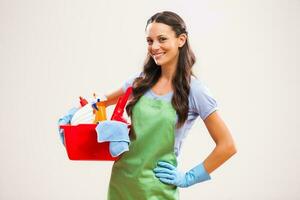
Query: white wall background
x=53, y=51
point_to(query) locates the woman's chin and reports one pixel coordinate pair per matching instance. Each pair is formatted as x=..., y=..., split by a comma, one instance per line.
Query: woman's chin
x=159, y=62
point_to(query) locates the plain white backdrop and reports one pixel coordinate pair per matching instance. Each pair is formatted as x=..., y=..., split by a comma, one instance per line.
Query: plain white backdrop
x=53, y=51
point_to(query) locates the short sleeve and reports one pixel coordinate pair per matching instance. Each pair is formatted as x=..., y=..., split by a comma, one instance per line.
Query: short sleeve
x=130, y=80
x=202, y=101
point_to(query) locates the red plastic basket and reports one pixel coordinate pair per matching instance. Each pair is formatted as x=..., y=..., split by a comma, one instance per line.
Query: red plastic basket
x=81, y=140
x=81, y=143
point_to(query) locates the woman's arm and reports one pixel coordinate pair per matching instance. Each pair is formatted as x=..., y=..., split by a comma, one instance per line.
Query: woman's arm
x=167, y=173
x=225, y=146
x=112, y=98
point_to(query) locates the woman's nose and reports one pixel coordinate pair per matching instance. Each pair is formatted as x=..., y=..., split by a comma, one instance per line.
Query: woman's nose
x=155, y=45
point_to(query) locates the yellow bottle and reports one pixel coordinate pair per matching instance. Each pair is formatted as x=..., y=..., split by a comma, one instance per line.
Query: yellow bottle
x=100, y=114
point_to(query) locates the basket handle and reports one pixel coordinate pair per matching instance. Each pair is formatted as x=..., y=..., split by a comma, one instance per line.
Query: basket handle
x=119, y=109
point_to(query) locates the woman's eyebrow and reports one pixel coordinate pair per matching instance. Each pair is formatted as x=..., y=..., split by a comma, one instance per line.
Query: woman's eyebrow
x=156, y=36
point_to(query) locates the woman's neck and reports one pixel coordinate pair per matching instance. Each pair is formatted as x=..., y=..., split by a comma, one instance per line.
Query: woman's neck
x=168, y=70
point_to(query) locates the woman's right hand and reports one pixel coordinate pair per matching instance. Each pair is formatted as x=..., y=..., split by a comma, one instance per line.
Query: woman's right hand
x=66, y=119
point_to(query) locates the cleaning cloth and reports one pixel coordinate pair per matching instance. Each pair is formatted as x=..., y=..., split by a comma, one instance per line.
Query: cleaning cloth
x=115, y=132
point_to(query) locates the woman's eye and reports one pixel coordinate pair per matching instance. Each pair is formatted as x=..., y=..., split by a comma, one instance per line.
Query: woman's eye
x=162, y=39
x=149, y=41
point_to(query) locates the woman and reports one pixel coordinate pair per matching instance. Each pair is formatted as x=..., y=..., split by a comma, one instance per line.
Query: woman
x=166, y=100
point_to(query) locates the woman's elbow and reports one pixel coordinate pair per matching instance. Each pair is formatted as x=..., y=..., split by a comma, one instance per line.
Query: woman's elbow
x=231, y=149
x=228, y=149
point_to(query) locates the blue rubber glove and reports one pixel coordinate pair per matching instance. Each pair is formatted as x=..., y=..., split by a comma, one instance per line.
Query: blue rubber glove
x=66, y=119
x=169, y=174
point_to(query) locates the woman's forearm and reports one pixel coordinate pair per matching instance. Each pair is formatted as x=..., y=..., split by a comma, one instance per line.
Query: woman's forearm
x=218, y=156
x=112, y=98
x=221, y=135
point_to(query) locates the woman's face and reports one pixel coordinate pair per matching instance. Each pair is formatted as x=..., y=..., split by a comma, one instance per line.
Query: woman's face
x=163, y=45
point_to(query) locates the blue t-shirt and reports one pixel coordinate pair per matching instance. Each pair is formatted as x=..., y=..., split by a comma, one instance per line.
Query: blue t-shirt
x=201, y=103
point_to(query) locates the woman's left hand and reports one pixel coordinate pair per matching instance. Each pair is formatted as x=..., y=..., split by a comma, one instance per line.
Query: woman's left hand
x=169, y=174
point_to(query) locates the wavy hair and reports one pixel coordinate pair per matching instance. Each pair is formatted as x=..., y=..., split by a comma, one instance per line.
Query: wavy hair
x=182, y=77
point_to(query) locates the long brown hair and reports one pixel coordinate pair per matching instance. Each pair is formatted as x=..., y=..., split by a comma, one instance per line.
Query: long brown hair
x=152, y=71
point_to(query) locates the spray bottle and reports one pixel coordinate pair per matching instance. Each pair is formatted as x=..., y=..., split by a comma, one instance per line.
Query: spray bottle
x=99, y=109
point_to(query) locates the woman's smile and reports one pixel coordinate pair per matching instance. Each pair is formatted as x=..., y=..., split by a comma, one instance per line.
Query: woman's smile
x=157, y=56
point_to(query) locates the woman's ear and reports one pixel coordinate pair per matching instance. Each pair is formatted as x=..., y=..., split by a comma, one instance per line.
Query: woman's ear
x=181, y=40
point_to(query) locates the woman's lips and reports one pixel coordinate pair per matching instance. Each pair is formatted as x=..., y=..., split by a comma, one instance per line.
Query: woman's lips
x=158, y=55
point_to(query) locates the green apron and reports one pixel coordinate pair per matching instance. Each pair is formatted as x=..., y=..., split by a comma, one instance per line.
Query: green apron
x=153, y=138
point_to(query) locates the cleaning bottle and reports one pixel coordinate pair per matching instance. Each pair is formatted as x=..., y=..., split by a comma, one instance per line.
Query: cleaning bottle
x=100, y=114
x=99, y=108
x=83, y=101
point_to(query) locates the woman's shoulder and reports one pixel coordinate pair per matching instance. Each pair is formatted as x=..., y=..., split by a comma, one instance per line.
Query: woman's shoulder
x=136, y=74
x=201, y=99
x=199, y=91
x=129, y=81
x=197, y=85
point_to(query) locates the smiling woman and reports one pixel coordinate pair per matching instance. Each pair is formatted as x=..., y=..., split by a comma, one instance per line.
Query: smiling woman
x=167, y=99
